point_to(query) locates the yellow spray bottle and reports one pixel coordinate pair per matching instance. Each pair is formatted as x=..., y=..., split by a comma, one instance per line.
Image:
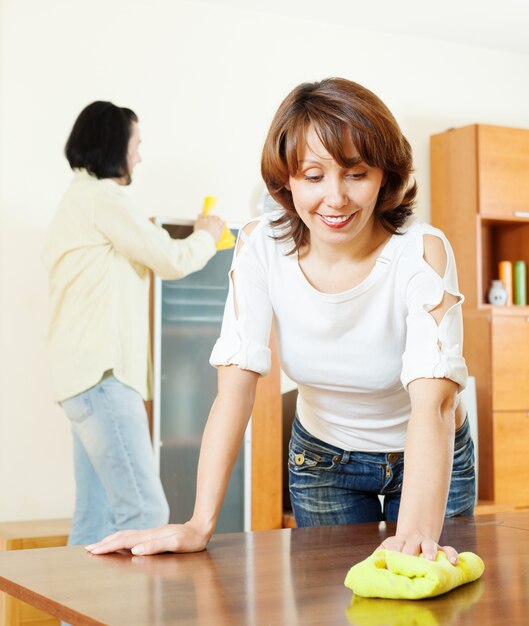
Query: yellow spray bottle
x=227, y=240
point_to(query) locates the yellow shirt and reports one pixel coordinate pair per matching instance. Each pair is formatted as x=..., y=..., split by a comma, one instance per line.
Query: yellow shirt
x=98, y=252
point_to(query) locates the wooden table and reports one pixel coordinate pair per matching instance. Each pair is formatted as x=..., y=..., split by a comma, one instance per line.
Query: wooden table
x=278, y=578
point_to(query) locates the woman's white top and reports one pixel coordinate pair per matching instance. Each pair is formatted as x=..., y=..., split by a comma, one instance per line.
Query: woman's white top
x=353, y=353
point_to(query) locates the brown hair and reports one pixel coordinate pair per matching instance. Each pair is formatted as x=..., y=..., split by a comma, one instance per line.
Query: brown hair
x=333, y=107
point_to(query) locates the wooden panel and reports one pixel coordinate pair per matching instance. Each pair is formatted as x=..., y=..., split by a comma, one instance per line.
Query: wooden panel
x=32, y=529
x=510, y=363
x=454, y=202
x=267, y=463
x=43, y=542
x=30, y=616
x=503, y=164
x=28, y=535
x=489, y=266
x=511, y=449
x=477, y=353
x=288, y=520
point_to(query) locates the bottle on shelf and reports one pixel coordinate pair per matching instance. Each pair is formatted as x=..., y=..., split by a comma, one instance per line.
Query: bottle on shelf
x=497, y=294
x=520, y=283
x=505, y=272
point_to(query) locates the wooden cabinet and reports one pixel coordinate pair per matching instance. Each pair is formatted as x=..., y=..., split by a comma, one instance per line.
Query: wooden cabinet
x=480, y=199
x=25, y=536
x=496, y=346
x=469, y=173
x=511, y=451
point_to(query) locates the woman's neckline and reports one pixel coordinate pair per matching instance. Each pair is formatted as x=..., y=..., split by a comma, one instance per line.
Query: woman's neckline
x=382, y=248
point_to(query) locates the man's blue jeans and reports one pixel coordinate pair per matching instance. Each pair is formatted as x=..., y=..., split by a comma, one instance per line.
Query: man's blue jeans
x=117, y=485
x=332, y=486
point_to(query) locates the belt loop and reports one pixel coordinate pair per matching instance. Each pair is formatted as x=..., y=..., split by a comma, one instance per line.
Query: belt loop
x=345, y=457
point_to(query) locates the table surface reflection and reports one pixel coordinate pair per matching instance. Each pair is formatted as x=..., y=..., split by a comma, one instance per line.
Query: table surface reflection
x=278, y=577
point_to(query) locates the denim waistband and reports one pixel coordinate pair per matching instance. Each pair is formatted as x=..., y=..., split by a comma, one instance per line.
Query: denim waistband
x=315, y=445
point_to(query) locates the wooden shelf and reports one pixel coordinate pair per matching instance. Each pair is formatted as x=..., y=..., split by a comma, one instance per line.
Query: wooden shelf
x=514, y=309
x=504, y=220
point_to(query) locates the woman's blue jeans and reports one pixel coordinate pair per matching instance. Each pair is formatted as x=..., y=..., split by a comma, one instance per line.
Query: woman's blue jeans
x=331, y=486
x=117, y=485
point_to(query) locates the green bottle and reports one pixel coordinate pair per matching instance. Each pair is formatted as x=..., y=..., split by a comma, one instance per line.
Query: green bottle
x=520, y=283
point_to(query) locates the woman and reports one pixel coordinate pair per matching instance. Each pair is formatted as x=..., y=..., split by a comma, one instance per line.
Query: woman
x=99, y=252
x=368, y=314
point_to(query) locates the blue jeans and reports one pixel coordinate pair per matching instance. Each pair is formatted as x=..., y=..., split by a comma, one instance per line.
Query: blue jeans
x=331, y=486
x=117, y=485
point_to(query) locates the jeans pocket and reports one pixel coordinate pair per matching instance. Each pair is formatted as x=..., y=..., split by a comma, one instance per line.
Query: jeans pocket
x=77, y=408
x=301, y=458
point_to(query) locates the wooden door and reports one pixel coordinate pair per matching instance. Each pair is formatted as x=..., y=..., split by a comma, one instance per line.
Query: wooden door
x=510, y=363
x=511, y=451
x=503, y=166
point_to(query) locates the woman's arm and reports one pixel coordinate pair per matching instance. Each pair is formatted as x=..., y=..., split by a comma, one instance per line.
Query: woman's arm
x=428, y=458
x=140, y=241
x=428, y=454
x=221, y=442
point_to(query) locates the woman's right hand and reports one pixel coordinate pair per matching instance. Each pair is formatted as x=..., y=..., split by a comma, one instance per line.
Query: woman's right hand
x=210, y=223
x=170, y=538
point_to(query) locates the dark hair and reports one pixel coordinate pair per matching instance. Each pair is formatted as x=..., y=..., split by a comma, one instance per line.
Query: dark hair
x=334, y=107
x=99, y=140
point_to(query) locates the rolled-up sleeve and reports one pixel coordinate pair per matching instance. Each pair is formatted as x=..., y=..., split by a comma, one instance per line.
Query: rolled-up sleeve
x=245, y=333
x=434, y=350
x=134, y=236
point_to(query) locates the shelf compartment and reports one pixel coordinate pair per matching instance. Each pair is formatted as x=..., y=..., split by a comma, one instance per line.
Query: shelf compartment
x=501, y=240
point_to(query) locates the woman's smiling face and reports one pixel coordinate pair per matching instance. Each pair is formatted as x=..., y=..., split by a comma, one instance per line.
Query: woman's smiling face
x=335, y=203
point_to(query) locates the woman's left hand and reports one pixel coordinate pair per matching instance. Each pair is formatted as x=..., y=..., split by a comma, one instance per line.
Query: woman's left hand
x=417, y=544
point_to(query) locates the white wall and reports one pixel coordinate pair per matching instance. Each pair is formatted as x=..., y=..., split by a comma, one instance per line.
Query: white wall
x=205, y=81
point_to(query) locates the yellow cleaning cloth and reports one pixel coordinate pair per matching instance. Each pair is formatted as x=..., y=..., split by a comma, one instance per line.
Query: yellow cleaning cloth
x=227, y=240
x=388, y=574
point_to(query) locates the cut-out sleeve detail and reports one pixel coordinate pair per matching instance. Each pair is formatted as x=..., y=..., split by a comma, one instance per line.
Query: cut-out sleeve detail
x=245, y=334
x=434, y=350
